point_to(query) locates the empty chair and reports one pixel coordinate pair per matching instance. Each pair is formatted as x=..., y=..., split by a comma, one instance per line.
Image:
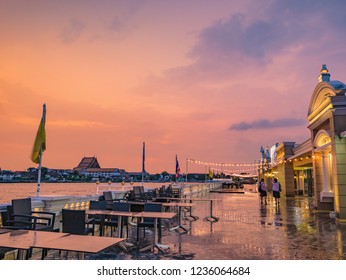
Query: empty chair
x=137, y=193
x=21, y=216
x=74, y=222
x=113, y=221
x=149, y=222
x=120, y=196
x=176, y=192
x=141, y=195
x=96, y=219
x=6, y=216
x=108, y=195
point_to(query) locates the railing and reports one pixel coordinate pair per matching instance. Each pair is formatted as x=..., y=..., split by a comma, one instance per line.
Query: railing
x=56, y=203
x=100, y=188
x=197, y=189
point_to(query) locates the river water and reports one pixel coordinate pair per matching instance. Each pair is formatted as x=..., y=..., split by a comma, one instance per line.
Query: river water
x=9, y=191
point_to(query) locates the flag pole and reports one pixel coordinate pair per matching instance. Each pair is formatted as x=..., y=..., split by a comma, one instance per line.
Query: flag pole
x=39, y=148
x=143, y=164
x=187, y=164
x=39, y=175
x=142, y=178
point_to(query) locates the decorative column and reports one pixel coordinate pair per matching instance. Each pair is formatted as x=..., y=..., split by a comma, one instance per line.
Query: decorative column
x=326, y=194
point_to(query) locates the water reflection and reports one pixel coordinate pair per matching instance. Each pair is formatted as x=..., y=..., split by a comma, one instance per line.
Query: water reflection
x=249, y=230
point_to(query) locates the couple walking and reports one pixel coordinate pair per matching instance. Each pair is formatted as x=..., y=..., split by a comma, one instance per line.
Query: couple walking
x=276, y=191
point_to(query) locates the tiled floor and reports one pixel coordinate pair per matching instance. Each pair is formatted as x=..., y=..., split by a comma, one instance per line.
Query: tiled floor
x=247, y=230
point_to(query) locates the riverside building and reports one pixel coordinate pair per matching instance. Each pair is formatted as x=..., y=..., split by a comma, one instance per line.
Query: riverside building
x=316, y=167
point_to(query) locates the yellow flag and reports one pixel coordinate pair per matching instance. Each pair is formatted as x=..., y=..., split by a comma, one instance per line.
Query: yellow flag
x=40, y=141
x=211, y=174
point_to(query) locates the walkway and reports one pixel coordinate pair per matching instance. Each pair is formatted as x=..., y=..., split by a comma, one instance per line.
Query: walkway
x=248, y=230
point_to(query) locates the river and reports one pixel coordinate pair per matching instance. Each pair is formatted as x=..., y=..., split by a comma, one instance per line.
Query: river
x=9, y=191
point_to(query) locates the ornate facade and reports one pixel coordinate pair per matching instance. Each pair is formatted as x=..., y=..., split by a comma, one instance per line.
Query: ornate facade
x=317, y=167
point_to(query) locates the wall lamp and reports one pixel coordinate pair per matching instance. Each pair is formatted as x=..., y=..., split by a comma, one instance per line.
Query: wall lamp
x=342, y=134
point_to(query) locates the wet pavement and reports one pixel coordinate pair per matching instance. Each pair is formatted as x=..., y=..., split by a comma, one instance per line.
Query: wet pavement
x=246, y=230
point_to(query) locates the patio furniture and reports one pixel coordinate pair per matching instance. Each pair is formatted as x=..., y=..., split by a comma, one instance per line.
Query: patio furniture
x=114, y=221
x=77, y=243
x=156, y=217
x=5, y=216
x=96, y=219
x=25, y=240
x=21, y=216
x=150, y=222
x=108, y=195
x=179, y=228
x=74, y=222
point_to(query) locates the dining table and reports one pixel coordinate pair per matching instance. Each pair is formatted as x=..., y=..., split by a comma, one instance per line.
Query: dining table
x=179, y=228
x=24, y=240
x=112, y=213
x=210, y=218
x=156, y=216
x=79, y=243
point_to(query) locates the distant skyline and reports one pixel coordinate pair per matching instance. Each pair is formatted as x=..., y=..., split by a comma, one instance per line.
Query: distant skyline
x=206, y=80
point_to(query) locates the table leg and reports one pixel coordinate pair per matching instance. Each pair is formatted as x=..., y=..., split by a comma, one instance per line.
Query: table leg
x=211, y=217
x=191, y=218
x=120, y=226
x=21, y=254
x=159, y=246
x=102, y=224
x=80, y=255
x=179, y=228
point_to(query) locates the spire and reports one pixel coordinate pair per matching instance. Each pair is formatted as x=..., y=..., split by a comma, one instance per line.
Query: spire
x=324, y=74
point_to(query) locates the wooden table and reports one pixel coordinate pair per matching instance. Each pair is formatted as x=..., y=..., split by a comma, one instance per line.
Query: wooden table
x=4, y=230
x=79, y=243
x=119, y=214
x=156, y=216
x=179, y=228
x=23, y=240
x=210, y=218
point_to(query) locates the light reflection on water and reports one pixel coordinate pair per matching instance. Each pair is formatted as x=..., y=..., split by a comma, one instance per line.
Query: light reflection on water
x=247, y=230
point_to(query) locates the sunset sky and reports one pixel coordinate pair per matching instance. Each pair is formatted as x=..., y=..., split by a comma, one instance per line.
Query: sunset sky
x=207, y=80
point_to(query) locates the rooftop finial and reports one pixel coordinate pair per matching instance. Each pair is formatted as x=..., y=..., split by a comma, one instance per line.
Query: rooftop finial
x=324, y=68
x=324, y=74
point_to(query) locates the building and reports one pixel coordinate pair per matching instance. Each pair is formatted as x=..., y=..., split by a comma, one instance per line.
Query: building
x=89, y=166
x=87, y=162
x=316, y=167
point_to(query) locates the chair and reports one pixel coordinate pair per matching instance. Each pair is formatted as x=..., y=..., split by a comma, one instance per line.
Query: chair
x=113, y=222
x=74, y=222
x=21, y=216
x=137, y=193
x=96, y=219
x=6, y=216
x=121, y=196
x=149, y=222
x=141, y=195
x=108, y=195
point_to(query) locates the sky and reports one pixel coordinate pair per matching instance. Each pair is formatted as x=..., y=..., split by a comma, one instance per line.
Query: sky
x=204, y=80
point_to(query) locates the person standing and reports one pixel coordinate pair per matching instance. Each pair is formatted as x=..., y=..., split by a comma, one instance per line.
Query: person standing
x=263, y=191
x=276, y=191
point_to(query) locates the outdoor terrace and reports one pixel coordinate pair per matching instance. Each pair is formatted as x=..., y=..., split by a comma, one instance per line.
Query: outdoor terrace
x=246, y=230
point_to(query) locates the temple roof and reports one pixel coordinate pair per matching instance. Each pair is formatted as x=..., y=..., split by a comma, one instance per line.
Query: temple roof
x=88, y=162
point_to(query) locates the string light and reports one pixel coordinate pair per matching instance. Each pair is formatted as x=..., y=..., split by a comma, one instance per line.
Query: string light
x=220, y=164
